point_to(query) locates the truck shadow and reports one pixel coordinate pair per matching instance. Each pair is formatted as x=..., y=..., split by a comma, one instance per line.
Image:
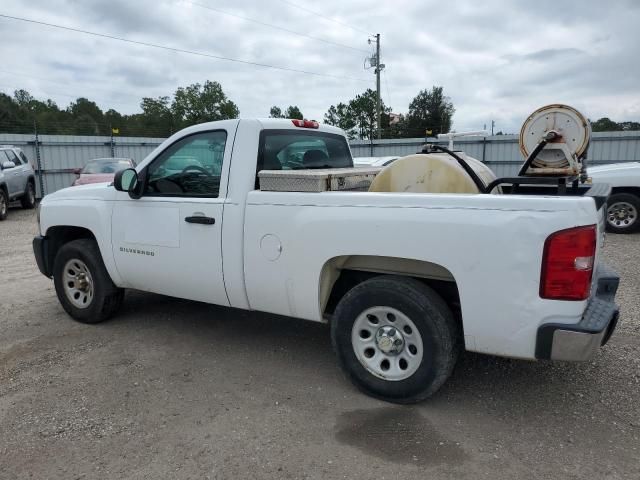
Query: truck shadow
x=306, y=346
x=239, y=354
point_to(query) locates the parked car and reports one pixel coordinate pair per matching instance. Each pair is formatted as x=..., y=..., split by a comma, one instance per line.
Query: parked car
x=101, y=170
x=17, y=179
x=623, y=206
x=405, y=280
x=373, y=161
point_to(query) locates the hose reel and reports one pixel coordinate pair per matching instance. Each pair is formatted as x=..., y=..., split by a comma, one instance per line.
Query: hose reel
x=554, y=140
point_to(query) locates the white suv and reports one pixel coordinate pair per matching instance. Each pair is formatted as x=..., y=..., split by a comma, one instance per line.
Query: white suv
x=17, y=179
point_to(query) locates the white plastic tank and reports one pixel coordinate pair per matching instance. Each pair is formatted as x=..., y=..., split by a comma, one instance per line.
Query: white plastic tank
x=431, y=173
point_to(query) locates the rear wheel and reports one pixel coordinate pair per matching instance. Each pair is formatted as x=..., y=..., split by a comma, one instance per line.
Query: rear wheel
x=4, y=204
x=82, y=283
x=396, y=338
x=622, y=213
x=28, y=200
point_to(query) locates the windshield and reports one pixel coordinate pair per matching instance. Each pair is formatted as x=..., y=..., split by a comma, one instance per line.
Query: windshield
x=108, y=165
x=295, y=150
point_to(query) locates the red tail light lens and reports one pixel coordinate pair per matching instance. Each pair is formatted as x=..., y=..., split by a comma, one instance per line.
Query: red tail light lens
x=305, y=123
x=567, y=264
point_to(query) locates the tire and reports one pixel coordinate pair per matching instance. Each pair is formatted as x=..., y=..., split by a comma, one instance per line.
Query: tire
x=4, y=204
x=28, y=200
x=623, y=210
x=429, y=353
x=79, y=263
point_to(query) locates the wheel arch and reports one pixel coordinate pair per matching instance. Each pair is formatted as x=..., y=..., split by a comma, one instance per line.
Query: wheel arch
x=630, y=190
x=59, y=235
x=340, y=274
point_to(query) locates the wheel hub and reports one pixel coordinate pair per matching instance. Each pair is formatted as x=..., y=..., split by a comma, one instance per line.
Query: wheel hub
x=389, y=340
x=78, y=283
x=387, y=343
x=622, y=214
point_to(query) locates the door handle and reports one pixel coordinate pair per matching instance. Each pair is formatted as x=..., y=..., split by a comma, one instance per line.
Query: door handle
x=200, y=219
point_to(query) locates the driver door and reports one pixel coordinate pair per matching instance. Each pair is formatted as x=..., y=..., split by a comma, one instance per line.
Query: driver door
x=169, y=241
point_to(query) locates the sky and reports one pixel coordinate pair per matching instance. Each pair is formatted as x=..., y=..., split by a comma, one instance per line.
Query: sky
x=497, y=60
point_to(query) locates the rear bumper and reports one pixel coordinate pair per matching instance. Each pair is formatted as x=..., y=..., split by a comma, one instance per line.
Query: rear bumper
x=41, y=252
x=579, y=342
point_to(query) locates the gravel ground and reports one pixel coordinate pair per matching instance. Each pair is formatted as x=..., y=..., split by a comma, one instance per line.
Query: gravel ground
x=177, y=389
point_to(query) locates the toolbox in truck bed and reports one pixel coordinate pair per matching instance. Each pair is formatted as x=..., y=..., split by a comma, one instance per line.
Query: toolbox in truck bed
x=317, y=180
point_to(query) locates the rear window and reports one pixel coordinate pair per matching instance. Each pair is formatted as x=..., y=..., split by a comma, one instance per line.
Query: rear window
x=297, y=150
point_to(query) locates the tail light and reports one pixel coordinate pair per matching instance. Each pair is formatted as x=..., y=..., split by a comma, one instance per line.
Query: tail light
x=305, y=123
x=567, y=264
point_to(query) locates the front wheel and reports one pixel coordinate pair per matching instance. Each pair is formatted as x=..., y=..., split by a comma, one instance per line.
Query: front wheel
x=396, y=338
x=28, y=200
x=4, y=204
x=622, y=213
x=82, y=283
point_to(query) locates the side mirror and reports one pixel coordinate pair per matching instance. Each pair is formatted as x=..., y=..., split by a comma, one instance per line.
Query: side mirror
x=77, y=171
x=8, y=164
x=127, y=181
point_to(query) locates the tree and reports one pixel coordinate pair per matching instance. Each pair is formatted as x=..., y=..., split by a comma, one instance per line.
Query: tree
x=157, y=116
x=358, y=117
x=83, y=106
x=430, y=110
x=605, y=124
x=276, y=112
x=292, y=111
x=202, y=103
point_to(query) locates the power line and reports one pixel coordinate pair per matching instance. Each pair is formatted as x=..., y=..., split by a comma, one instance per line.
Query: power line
x=47, y=80
x=180, y=50
x=325, y=17
x=270, y=25
x=74, y=97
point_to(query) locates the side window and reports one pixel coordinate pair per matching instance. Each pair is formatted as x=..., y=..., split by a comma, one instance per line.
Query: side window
x=23, y=157
x=191, y=167
x=13, y=157
x=4, y=157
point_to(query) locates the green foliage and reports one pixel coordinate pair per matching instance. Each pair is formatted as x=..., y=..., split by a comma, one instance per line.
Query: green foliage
x=430, y=110
x=358, y=117
x=160, y=116
x=276, y=112
x=201, y=103
x=292, y=111
x=605, y=124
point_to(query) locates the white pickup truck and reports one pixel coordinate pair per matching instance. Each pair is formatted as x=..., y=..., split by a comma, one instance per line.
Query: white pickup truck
x=405, y=280
x=624, y=203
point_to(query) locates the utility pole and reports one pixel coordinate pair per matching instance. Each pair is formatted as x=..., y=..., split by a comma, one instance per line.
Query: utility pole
x=379, y=68
x=374, y=61
x=493, y=124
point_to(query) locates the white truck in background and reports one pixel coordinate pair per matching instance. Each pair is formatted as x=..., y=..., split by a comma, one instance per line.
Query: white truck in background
x=623, y=206
x=405, y=280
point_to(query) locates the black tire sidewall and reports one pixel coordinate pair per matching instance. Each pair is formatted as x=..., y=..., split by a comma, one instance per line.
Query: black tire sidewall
x=27, y=201
x=103, y=288
x=6, y=204
x=432, y=324
x=627, y=198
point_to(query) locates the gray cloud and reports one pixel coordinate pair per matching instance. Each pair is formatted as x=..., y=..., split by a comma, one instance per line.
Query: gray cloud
x=496, y=60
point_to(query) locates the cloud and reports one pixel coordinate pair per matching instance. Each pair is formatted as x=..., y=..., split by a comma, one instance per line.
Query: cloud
x=496, y=60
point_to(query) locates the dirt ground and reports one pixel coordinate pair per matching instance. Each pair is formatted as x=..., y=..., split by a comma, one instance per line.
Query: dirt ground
x=177, y=389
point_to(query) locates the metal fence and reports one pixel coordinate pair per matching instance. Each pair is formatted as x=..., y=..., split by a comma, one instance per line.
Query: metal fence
x=55, y=156
x=502, y=153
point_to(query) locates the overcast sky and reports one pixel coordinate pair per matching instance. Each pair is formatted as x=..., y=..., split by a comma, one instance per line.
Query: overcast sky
x=496, y=59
